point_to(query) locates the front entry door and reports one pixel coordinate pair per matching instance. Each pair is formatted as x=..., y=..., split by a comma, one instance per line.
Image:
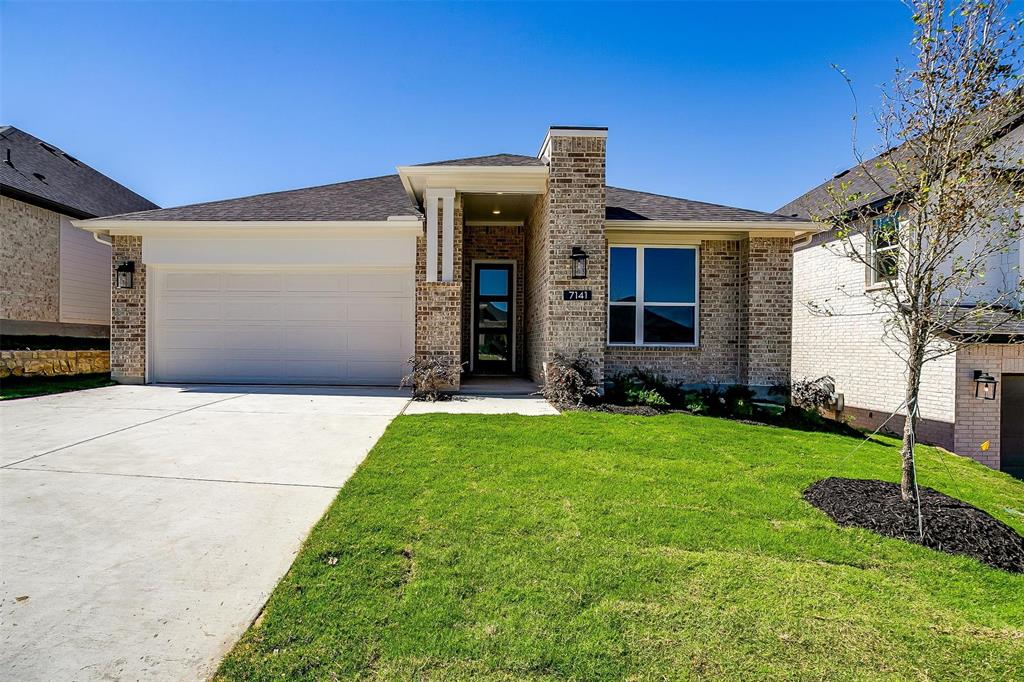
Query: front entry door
x=493, y=298
x=1011, y=439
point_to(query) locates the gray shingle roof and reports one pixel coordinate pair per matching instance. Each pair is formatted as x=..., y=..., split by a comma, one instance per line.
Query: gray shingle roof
x=492, y=160
x=369, y=199
x=985, y=323
x=628, y=204
x=40, y=173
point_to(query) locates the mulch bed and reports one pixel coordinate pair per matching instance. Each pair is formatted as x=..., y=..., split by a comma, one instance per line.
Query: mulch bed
x=950, y=525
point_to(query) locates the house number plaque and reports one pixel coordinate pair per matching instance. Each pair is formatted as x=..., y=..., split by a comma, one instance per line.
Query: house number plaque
x=577, y=295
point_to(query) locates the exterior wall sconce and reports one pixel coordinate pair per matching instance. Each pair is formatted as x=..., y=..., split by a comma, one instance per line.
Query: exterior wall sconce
x=125, y=274
x=984, y=385
x=579, y=263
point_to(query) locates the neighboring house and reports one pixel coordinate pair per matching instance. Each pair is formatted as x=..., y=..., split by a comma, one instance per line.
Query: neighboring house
x=850, y=346
x=54, y=278
x=495, y=261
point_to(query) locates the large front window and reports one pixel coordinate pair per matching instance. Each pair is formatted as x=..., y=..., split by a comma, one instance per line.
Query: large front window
x=652, y=296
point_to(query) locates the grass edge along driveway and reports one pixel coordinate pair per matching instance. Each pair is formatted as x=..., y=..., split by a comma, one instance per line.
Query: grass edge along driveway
x=598, y=546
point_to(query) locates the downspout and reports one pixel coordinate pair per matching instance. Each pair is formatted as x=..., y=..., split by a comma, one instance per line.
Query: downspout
x=96, y=236
x=803, y=241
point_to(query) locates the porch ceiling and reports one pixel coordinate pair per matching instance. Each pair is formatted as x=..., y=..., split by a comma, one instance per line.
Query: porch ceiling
x=481, y=207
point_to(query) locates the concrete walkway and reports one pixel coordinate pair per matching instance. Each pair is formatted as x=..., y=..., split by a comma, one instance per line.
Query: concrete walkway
x=144, y=527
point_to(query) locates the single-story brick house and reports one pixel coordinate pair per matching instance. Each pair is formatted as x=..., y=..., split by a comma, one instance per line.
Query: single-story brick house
x=494, y=261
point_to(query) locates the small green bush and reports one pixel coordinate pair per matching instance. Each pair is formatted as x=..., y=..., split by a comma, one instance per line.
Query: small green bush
x=642, y=396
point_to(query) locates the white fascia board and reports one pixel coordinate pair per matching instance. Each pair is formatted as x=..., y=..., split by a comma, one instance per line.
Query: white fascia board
x=393, y=226
x=509, y=179
x=781, y=228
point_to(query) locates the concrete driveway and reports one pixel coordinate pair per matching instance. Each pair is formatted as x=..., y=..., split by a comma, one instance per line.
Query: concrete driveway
x=143, y=527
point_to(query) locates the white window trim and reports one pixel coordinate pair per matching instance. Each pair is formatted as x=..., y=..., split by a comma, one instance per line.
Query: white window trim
x=640, y=302
x=875, y=280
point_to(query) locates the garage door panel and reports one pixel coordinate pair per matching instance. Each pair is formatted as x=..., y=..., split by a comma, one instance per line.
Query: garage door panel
x=326, y=327
x=252, y=283
x=315, y=340
x=183, y=310
x=322, y=309
x=191, y=281
x=314, y=282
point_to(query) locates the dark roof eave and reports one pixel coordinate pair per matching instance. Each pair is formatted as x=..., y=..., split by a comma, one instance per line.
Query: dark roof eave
x=42, y=202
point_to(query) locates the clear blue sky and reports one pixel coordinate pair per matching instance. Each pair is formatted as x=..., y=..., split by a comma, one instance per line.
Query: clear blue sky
x=727, y=102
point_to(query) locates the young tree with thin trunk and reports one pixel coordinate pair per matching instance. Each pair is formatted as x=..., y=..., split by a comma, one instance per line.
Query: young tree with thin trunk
x=936, y=220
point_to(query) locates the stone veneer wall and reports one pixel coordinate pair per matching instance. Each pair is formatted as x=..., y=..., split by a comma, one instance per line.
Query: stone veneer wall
x=716, y=359
x=978, y=421
x=575, y=213
x=30, y=266
x=768, y=309
x=53, y=362
x=439, y=304
x=493, y=242
x=537, y=271
x=128, y=315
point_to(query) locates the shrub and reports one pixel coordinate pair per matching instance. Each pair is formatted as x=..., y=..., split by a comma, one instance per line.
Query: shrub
x=644, y=396
x=814, y=394
x=569, y=379
x=432, y=378
x=624, y=388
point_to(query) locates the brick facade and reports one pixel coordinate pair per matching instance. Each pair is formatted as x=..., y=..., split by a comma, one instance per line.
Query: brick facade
x=536, y=286
x=30, y=272
x=573, y=216
x=496, y=242
x=128, y=315
x=439, y=304
x=978, y=421
x=766, y=306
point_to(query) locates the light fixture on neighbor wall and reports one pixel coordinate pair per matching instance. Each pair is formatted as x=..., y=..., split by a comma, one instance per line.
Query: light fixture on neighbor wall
x=125, y=274
x=579, y=263
x=984, y=385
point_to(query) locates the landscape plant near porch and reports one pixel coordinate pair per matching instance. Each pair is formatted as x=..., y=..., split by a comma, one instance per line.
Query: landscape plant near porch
x=596, y=546
x=432, y=379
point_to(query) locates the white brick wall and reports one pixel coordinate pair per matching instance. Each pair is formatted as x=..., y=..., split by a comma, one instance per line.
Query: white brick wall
x=851, y=345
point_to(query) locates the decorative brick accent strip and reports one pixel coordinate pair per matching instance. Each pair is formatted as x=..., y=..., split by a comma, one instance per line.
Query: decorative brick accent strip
x=128, y=315
x=53, y=362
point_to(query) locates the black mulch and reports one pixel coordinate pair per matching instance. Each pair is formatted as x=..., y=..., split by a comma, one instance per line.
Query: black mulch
x=950, y=525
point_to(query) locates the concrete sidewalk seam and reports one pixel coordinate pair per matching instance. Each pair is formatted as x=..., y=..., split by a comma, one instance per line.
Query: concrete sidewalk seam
x=175, y=478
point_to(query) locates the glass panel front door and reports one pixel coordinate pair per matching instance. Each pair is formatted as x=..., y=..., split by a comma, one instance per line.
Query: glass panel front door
x=492, y=320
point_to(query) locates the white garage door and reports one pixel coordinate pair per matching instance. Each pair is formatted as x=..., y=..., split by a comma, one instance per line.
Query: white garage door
x=296, y=326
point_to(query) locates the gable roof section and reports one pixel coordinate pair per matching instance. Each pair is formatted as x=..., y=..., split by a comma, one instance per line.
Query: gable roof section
x=872, y=177
x=369, y=199
x=492, y=160
x=629, y=204
x=41, y=174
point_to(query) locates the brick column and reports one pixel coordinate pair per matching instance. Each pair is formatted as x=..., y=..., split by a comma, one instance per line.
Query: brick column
x=574, y=216
x=128, y=315
x=766, y=310
x=439, y=304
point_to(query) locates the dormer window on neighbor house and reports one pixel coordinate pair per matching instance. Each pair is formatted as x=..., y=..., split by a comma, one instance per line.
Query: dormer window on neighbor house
x=885, y=249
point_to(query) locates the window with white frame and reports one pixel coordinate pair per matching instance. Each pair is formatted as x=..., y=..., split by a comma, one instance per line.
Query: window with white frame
x=885, y=249
x=652, y=296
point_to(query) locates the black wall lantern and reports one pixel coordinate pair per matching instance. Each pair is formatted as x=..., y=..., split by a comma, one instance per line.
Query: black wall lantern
x=579, y=263
x=125, y=274
x=984, y=385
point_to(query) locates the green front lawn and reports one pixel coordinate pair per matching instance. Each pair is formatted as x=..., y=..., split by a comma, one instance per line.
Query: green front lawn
x=604, y=546
x=22, y=387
